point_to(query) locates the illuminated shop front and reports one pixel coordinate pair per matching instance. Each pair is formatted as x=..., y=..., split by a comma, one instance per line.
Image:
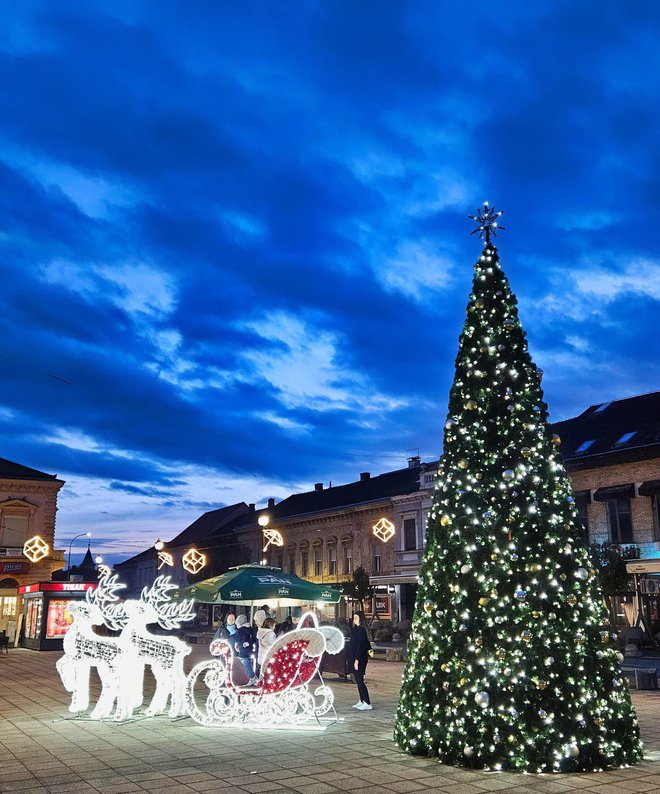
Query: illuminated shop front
x=46, y=615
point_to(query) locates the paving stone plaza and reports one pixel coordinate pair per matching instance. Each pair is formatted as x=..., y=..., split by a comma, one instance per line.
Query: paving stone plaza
x=45, y=749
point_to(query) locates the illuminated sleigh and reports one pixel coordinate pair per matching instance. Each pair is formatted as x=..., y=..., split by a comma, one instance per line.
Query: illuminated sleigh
x=285, y=694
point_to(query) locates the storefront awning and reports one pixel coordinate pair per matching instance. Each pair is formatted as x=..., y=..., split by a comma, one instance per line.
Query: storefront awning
x=649, y=565
x=649, y=488
x=615, y=492
x=403, y=578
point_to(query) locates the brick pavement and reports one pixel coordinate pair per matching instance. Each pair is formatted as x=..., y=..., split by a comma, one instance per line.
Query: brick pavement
x=44, y=749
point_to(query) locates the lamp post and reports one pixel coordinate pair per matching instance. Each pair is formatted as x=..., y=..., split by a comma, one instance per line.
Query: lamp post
x=68, y=564
x=263, y=523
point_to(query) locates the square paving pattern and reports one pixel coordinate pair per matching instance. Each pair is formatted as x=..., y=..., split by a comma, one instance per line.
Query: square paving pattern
x=43, y=748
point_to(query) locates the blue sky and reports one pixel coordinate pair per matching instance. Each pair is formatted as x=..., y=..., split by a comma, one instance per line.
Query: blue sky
x=234, y=249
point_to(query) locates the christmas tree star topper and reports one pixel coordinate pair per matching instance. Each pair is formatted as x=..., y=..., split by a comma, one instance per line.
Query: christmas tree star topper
x=487, y=220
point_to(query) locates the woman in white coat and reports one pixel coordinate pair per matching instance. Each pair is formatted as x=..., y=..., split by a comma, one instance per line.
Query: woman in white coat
x=265, y=637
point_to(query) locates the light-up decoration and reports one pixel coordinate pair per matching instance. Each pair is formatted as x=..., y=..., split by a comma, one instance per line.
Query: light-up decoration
x=193, y=561
x=383, y=530
x=165, y=558
x=120, y=661
x=35, y=549
x=272, y=538
x=104, y=572
x=282, y=696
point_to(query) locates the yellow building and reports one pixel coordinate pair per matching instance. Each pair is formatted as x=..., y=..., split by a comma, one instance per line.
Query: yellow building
x=28, y=504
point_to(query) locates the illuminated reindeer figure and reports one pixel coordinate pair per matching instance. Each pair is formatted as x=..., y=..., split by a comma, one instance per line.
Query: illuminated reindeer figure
x=84, y=649
x=164, y=655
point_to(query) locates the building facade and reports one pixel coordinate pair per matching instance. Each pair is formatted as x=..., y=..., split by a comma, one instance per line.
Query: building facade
x=28, y=506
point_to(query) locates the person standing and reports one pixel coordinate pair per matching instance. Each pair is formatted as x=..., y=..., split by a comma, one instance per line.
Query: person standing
x=357, y=653
x=245, y=645
x=265, y=637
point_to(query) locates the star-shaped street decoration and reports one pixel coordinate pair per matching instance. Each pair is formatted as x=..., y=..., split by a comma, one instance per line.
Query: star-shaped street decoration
x=487, y=221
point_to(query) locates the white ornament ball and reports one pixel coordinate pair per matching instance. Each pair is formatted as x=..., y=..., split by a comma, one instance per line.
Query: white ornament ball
x=572, y=750
x=582, y=573
x=468, y=752
x=508, y=474
x=482, y=699
x=466, y=568
x=620, y=657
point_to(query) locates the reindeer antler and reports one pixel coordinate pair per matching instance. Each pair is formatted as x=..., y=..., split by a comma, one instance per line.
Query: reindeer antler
x=105, y=598
x=170, y=615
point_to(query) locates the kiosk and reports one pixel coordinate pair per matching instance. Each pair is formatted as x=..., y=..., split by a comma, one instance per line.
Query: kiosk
x=45, y=614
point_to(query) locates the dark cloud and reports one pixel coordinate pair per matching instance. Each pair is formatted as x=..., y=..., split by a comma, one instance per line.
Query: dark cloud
x=207, y=224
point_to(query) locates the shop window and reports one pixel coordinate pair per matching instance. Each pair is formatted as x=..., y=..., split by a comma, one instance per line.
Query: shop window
x=376, y=560
x=8, y=606
x=619, y=520
x=409, y=534
x=332, y=560
x=348, y=559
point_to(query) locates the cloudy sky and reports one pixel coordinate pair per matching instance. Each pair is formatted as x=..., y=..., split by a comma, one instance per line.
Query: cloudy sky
x=234, y=248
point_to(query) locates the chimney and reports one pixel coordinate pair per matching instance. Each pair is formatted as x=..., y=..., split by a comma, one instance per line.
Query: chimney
x=271, y=503
x=251, y=507
x=318, y=486
x=364, y=476
x=414, y=461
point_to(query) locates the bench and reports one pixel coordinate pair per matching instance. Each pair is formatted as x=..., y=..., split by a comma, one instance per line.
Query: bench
x=643, y=677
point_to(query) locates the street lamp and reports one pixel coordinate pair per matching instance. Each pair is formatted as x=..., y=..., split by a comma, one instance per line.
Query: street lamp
x=159, y=545
x=263, y=523
x=85, y=534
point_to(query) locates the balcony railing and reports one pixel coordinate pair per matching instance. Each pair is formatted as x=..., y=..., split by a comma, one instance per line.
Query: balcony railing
x=406, y=559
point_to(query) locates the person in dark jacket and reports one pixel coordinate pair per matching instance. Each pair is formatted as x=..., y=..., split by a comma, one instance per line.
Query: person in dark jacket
x=357, y=653
x=245, y=646
x=226, y=630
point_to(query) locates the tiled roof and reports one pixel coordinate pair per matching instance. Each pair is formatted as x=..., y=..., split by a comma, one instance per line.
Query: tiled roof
x=14, y=471
x=213, y=523
x=628, y=429
x=382, y=486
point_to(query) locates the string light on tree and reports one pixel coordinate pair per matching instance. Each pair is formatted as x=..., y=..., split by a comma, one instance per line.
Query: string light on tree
x=511, y=663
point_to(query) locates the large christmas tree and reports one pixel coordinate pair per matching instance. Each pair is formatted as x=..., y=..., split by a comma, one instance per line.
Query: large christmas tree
x=512, y=662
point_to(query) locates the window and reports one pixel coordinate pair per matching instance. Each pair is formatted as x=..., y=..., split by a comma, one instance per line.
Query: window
x=656, y=516
x=13, y=530
x=602, y=407
x=581, y=505
x=428, y=479
x=8, y=608
x=626, y=437
x=292, y=562
x=619, y=520
x=348, y=558
x=318, y=561
x=584, y=446
x=304, y=562
x=332, y=560
x=409, y=534
x=376, y=559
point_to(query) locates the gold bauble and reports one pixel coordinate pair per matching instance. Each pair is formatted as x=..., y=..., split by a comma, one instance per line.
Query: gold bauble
x=572, y=600
x=562, y=576
x=444, y=667
x=541, y=684
x=480, y=303
x=526, y=635
x=500, y=653
x=470, y=405
x=462, y=464
x=493, y=556
x=526, y=452
x=483, y=601
x=556, y=440
x=478, y=641
x=478, y=475
x=445, y=520
x=604, y=637
x=463, y=681
x=428, y=607
x=580, y=639
x=535, y=566
x=536, y=614
x=599, y=721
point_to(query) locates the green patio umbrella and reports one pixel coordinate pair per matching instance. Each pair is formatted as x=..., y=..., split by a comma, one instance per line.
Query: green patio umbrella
x=254, y=584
